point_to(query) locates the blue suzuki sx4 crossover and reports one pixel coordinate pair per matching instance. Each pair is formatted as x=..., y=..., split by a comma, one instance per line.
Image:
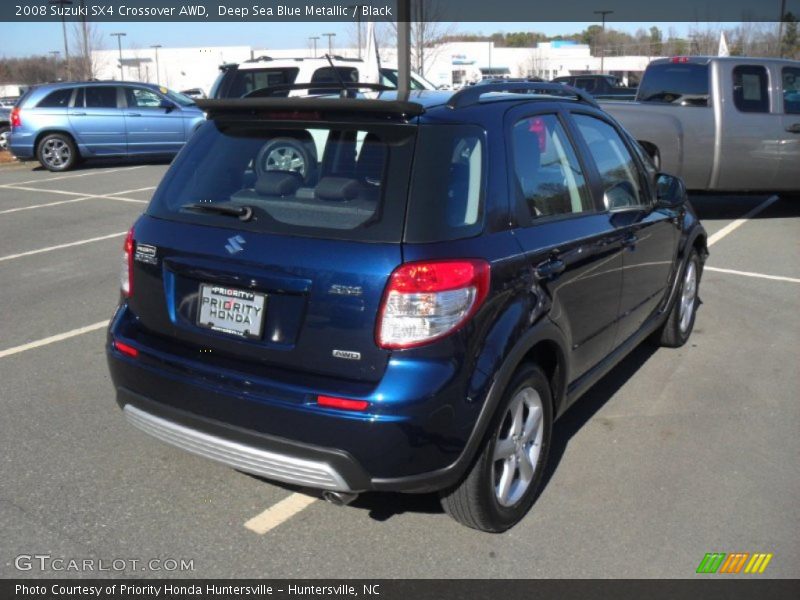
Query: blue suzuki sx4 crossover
x=390, y=293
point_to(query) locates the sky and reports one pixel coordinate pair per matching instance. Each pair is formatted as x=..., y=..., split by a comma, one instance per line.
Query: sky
x=24, y=39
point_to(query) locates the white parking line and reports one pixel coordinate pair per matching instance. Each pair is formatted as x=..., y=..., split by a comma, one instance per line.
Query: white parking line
x=53, y=338
x=751, y=274
x=82, y=194
x=21, y=208
x=74, y=175
x=279, y=513
x=731, y=227
x=60, y=246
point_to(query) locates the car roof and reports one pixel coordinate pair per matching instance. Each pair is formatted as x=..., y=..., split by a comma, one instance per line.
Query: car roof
x=268, y=62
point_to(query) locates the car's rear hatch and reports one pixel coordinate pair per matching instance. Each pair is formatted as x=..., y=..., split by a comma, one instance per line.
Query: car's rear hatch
x=295, y=281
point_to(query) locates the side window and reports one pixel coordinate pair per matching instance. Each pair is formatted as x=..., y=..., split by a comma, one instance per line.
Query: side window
x=247, y=80
x=750, y=88
x=142, y=98
x=791, y=90
x=586, y=83
x=57, y=99
x=101, y=97
x=617, y=167
x=548, y=175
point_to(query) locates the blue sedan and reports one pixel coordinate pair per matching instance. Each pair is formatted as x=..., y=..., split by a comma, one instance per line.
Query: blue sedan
x=60, y=124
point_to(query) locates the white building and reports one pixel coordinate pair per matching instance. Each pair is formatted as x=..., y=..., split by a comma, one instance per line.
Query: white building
x=452, y=64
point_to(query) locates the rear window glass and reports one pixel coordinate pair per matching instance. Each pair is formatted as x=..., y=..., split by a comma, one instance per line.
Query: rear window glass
x=675, y=83
x=57, y=99
x=347, y=182
x=448, y=184
x=246, y=80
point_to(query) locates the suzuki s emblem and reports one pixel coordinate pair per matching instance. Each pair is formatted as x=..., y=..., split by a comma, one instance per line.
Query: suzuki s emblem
x=235, y=244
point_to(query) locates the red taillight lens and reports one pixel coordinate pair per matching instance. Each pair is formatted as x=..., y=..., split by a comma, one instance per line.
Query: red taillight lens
x=342, y=403
x=425, y=301
x=680, y=59
x=16, y=117
x=126, y=271
x=126, y=349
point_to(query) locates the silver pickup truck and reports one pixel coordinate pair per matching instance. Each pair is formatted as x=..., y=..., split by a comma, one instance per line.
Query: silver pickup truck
x=721, y=124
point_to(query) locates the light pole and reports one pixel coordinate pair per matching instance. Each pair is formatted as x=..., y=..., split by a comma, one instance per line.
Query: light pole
x=357, y=8
x=780, y=28
x=314, y=39
x=61, y=4
x=119, y=37
x=158, y=71
x=330, y=37
x=603, y=14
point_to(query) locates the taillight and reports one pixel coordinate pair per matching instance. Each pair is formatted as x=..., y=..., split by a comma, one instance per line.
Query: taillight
x=679, y=59
x=425, y=301
x=126, y=270
x=16, y=117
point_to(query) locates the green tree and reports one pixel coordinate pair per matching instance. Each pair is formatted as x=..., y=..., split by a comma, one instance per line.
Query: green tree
x=656, y=41
x=790, y=44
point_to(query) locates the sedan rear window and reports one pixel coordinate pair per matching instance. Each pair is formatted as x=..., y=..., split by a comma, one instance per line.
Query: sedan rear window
x=346, y=182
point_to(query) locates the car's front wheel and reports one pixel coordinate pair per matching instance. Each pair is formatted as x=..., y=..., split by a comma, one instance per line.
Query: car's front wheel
x=505, y=480
x=57, y=152
x=680, y=323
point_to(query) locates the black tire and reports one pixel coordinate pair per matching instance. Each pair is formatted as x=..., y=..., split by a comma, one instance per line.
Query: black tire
x=474, y=501
x=679, y=325
x=282, y=154
x=5, y=130
x=57, y=152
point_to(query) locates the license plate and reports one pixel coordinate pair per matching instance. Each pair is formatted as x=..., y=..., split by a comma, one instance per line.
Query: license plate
x=237, y=312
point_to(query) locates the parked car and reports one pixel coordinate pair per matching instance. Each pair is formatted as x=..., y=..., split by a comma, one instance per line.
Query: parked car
x=60, y=124
x=720, y=123
x=601, y=87
x=414, y=311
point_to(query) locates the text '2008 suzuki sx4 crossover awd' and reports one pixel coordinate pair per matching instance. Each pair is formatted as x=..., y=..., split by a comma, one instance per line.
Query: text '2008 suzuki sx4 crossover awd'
x=410, y=309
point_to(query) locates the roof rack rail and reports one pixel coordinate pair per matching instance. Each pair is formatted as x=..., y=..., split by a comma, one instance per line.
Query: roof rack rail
x=471, y=95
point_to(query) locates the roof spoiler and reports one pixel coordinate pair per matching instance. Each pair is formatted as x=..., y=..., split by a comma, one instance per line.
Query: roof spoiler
x=361, y=106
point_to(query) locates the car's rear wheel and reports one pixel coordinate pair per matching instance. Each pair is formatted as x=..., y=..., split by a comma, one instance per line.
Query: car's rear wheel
x=680, y=323
x=287, y=154
x=57, y=152
x=505, y=480
x=5, y=132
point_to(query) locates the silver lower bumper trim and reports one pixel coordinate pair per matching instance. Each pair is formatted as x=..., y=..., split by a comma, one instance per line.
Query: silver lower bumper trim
x=270, y=465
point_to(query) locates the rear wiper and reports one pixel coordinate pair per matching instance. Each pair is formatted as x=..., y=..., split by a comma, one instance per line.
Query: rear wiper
x=244, y=213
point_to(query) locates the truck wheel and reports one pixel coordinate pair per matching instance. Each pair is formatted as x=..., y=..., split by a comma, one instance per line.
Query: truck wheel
x=678, y=327
x=505, y=480
x=57, y=152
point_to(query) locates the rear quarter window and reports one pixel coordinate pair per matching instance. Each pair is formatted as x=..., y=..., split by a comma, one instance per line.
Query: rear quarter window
x=56, y=99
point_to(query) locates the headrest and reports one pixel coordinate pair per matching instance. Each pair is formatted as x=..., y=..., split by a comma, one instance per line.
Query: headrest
x=278, y=183
x=337, y=188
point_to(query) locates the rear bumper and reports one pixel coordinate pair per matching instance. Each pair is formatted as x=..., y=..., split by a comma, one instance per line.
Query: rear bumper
x=412, y=438
x=20, y=144
x=265, y=456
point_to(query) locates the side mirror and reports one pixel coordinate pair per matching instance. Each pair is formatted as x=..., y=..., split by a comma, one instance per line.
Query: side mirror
x=167, y=105
x=670, y=191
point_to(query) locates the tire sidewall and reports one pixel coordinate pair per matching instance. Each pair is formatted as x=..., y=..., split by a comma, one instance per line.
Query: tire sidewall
x=506, y=517
x=300, y=146
x=73, y=153
x=5, y=129
x=683, y=336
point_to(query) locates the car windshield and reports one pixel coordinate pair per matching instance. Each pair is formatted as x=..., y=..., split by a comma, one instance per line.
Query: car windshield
x=344, y=182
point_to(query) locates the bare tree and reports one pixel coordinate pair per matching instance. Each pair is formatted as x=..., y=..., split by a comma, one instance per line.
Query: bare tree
x=87, y=38
x=426, y=31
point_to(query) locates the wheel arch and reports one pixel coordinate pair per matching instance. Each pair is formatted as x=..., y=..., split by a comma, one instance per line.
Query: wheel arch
x=45, y=132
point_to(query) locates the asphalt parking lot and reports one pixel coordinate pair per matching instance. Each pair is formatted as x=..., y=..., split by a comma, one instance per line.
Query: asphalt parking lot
x=676, y=453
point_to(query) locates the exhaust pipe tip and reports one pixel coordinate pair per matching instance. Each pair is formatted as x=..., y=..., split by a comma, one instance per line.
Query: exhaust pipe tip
x=339, y=498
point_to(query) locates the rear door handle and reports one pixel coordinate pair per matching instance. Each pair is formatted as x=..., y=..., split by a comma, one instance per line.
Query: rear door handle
x=793, y=128
x=77, y=114
x=133, y=114
x=550, y=268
